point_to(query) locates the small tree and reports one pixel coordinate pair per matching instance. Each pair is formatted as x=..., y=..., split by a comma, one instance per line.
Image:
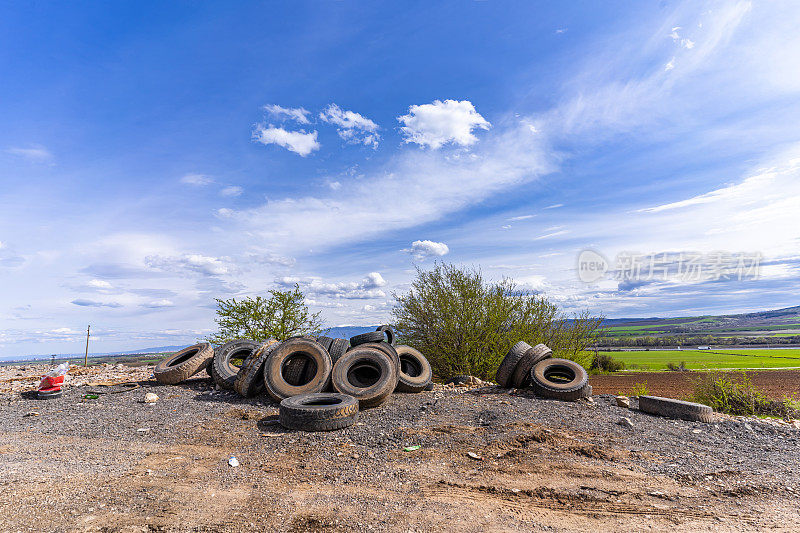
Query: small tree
x=466, y=325
x=284, y=314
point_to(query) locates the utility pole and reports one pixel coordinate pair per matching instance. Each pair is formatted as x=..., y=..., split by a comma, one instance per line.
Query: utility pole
x=86, y=356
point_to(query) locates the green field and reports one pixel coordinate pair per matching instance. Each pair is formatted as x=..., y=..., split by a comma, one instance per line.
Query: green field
x=705, y=359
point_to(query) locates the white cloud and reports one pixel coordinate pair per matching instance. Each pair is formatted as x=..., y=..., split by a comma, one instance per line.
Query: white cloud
x=424, y=249
x=298, y=114
x=198, y=180
x=299, y=142
x=158, y=304
x=84, y=302
x=670, y=65
x=554, y=206
x=224, y=212
x=39, y=153
x=210, y=266
x=367, y=288
x=99, y=284
x=351, y=126
x=233, y=190
x=521, y=217
x=551, y=235
x=439, y=123
x=687, y=43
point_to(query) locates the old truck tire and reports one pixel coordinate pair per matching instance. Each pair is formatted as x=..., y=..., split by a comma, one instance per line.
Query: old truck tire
x=370, y=336
x=249, y=381
x=415, y=370
x=367, y=374
x=506, y=369
x=669, y=408
x=325, y=342
x=184, y=364
x=324, y=411
x=387, y=330
x=338, y=349
x=560, y=379
x=389, y=350
x=521, y=376
x=306, y=350
x=223, y=372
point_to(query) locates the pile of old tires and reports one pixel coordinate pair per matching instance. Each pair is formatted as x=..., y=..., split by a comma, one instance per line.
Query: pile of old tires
x=535, y=368
x=320, y=382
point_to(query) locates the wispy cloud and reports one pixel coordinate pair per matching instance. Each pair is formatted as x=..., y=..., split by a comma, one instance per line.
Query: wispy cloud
x=231, y=191
x=351, y=126
x=298, y=114
x=198, y=180
x=35, y=153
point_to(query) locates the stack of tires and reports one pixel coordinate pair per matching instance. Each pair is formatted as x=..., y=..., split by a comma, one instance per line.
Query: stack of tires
x=534, y=367
x=322, y=376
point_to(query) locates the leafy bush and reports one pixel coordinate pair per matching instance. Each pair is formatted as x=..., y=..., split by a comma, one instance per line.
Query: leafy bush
x=466, y=325
x=284, y=314
x=606, y=363
x=640, y=389
x=738, y=396
x=681, y=367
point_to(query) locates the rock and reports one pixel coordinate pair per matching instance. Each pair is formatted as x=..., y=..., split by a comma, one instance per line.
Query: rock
x=625, y=422
x=233, y=461
x=473, y=455
x=623, y=401
x=150, y=397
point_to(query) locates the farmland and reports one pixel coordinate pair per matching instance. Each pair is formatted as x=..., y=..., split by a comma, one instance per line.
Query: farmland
x=708, y=359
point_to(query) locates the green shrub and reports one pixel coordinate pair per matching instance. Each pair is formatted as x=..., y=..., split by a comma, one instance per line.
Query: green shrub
x=640, y=389
x=681, y=367
x=466, y=325
x=738, y=396
x=284, y=314
x=606, y=363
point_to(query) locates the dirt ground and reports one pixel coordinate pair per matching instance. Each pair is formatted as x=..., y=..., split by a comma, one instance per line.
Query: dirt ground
x=116, y=464
x=776, y=384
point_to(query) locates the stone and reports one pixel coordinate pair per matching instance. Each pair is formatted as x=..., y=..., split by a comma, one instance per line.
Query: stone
x=625, y=422
x=150, y=397
x=623, y=401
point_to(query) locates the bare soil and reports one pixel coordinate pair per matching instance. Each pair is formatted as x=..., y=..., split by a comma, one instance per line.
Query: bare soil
x=776, y=384
x=115, y=464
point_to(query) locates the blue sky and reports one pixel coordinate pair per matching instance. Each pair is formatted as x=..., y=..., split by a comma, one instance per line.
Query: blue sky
x=154, y=157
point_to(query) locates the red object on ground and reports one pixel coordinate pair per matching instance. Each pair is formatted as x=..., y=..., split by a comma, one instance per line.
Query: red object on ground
x=51, y=389
x=49, y=384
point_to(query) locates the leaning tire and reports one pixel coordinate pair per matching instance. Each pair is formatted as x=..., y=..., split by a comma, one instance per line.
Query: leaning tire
x=338, y=349
x=367, y=374
x=389, y=350
x=387, y=330
x=521, y=376
x=560, y=379
x=669, y=408
x=506, y=369
x=223, y=372
x=298, y=348
x=318, y=412
x=249, y=381
x=415, y=370
x=184, y=364
x=325, y=342
x=371, y=336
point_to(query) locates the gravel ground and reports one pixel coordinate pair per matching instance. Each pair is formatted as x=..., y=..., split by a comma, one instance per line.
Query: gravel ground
x=116, y=464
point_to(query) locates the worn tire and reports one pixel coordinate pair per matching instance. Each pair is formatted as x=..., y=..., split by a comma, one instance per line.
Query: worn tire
x=560, y=379
x=338, y=349
x=249, y=381
x=521, y=376
x=415, y=370
x=370, y=336
x=184, y=364
x=367, y=374
x=325, y=342
x=298, y=348
x=324, y=411
x=387, y=330
x=389, y=350
x=223, y=372
x=669, y=408
x=506, y=369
